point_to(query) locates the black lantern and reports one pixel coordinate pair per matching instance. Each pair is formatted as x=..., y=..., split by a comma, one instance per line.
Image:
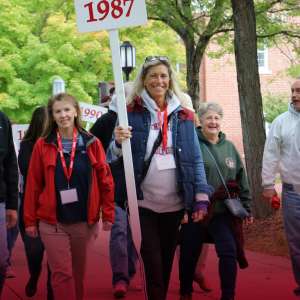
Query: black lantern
x=127, y=58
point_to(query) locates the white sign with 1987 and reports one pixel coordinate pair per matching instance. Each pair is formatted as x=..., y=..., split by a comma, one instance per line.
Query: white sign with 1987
x=109, y=14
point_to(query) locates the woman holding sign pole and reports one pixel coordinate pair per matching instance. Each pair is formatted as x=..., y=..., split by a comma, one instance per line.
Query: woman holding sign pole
x=168, y=167
x=68, y=183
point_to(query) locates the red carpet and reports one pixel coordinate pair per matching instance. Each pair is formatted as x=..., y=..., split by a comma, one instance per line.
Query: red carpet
x=267, y=278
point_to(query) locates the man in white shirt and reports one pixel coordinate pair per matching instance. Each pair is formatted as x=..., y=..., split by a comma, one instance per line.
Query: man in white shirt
x=282, y=154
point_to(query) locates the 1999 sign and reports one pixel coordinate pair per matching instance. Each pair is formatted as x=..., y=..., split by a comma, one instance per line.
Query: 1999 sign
x=104, y=8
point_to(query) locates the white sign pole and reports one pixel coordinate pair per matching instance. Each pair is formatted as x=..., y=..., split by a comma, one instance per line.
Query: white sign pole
x=126, y=146
x=134, y=217
x=95, y=15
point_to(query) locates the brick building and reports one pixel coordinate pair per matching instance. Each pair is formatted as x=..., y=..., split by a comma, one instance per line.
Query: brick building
x=219, y=84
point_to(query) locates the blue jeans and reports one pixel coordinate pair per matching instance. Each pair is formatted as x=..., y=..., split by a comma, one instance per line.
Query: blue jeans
x=3, y=245
x=123, y=255
x=291, y=218
x=193, y=237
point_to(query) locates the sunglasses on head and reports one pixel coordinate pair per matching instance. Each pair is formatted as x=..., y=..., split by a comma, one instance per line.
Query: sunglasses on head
x=156, y=58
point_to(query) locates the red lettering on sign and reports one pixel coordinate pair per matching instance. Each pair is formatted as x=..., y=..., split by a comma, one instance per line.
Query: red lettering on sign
x=130, y=6
x=91, y=12
x=103, y=9
x=116, y=9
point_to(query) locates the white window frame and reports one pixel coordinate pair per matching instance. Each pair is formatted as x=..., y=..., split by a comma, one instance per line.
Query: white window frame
x=265, y=68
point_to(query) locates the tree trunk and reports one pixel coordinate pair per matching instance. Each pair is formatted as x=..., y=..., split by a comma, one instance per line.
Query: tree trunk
x=245, y=43
x=193, y=61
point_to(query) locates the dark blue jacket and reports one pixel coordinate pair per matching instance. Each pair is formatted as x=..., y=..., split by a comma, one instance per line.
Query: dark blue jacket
x=8, y=165
x=191, y=177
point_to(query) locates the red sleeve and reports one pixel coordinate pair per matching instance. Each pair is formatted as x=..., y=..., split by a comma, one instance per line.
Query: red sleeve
x=106, y=185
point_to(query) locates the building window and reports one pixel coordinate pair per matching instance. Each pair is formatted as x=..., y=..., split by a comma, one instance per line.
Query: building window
x=262, y=58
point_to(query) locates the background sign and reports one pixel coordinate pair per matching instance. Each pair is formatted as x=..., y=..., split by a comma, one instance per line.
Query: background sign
x=90, y=113
x=18, y=131
x=97, y=15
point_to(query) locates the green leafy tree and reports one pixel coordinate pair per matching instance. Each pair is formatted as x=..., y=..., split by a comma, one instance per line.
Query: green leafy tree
x=274, y=105
x=198, y=22
x=39, y=41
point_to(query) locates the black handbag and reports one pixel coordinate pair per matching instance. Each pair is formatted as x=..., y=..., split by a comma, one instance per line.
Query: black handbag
x=236, y=208
x=233, y=204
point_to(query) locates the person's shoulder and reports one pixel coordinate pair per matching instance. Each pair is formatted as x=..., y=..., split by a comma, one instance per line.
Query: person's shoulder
x=282, y=117
x=96, y=146
x=228, y=143
x=2, y=114
x=225, y=142
x=110, y=115
x=41, y=142
x=186, y=114
x=136, y=105
x=26, y=143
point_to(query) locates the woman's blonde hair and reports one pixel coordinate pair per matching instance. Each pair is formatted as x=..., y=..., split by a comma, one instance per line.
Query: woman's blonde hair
x=51, y=124
x=138, y=84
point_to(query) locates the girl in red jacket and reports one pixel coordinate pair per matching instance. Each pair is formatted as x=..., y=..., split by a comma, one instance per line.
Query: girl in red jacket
x=68, y=184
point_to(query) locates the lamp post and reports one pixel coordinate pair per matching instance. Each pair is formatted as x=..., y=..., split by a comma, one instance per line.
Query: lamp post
x=58, y=86
x=127, y=58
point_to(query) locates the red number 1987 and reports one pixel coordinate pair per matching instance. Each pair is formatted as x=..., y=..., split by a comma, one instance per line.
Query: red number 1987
x=103, y=8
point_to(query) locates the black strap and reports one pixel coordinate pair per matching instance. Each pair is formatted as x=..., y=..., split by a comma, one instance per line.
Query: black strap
x=218, y=169
x=148, y=161
x=155, y=146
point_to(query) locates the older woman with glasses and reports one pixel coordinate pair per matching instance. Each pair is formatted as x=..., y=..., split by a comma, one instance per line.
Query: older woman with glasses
x=169, y=172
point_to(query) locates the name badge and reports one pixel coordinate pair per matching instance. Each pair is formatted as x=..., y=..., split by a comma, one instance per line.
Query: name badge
x=165, y=162
x=68, y=196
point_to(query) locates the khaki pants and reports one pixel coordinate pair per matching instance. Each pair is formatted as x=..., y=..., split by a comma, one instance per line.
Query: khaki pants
x=66, y=246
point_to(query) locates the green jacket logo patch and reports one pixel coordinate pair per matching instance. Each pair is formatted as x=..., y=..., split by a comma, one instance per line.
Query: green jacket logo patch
x=230, y=163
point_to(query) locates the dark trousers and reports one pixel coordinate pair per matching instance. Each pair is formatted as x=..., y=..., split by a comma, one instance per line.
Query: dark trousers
x=12, y=235
x=159, y=240
x=34, y=250
x=193, y=236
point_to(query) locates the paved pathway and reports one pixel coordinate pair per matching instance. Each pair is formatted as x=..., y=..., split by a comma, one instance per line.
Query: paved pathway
x=267, y=278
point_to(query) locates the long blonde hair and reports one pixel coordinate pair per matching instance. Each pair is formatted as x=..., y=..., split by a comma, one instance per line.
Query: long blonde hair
x=138, y=84
x=51, y=124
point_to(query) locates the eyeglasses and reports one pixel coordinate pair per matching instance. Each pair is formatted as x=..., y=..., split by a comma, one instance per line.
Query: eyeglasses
x=163, y=59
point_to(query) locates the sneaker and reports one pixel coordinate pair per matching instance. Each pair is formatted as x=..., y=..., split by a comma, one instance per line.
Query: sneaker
x=10, y=272
x=120, y=289
x=297, y=291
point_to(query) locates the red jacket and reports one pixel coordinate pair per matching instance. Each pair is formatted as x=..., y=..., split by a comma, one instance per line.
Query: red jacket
x=40, y=196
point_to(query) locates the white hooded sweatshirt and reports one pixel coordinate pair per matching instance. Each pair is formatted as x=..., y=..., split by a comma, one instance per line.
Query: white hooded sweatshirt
x=160, y=185
x=282, y=153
